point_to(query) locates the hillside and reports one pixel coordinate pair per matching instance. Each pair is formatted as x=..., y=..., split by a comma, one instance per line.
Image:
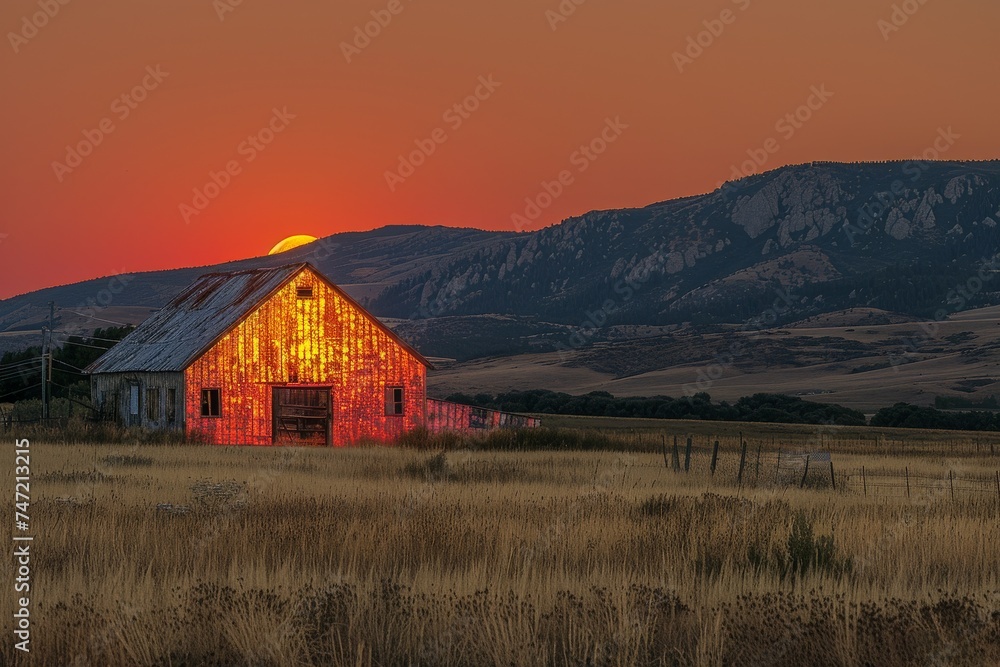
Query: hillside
x=633, y=299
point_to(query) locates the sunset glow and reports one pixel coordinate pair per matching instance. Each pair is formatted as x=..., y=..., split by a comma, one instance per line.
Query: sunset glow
x=207, y=127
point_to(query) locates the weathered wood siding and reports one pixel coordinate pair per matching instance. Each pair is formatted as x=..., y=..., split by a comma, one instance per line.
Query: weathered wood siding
x=112, y=394
x=448, y=416
x=322, y=340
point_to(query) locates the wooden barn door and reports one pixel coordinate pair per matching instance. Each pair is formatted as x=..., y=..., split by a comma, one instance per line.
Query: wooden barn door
x=301, y=416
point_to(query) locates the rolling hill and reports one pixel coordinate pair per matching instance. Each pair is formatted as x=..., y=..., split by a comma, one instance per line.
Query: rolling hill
x=810, y=253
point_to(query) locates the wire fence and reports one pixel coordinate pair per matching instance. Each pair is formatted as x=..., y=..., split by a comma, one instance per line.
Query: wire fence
x=751, y=466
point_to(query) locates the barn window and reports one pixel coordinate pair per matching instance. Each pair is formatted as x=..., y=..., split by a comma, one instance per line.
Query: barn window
x=153, y=405
x=171, y=409
x=211, y=402
x=304, y=291
x=478, y=418
x=393, y=400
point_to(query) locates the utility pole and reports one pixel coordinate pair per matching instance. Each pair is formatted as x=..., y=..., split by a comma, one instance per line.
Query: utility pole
x=47, y=361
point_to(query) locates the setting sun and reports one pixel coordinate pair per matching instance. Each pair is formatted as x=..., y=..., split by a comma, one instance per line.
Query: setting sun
x=290, y=243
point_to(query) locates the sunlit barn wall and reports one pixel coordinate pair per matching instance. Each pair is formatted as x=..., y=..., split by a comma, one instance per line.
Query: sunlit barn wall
x=323, y=340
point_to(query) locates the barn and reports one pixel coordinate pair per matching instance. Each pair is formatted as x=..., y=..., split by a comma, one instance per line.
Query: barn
x=268, y=357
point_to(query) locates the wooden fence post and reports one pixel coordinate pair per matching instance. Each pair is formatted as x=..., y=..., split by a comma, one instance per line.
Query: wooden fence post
x=777, y=468
x=756, y=475
x=687, y=456
x=743, y=461
x=864, y=480
x=998, y=486
x=663, y=448
x=715, y=456
x=833, y=479
x=907, y=470
x=676, y=457
x=951, y=482
x=805, y=473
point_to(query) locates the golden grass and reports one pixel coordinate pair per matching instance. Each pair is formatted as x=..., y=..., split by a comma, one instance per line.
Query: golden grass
x=191, y=555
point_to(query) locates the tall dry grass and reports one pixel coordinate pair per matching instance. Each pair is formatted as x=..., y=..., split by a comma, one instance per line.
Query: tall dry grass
x=184, y=555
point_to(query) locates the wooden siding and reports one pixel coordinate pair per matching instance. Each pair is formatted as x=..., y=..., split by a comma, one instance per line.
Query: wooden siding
x=111, y=394
x=323, y=340
x=448, y=416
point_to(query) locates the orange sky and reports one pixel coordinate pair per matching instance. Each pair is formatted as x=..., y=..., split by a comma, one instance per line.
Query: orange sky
x=325, y=170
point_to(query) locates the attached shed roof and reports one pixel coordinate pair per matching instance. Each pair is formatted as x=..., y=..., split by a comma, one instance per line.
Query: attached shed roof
x=176, y=335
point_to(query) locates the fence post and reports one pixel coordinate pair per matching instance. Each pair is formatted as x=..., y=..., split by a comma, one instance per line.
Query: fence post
x=864, y=480
x=715, y=456
x=676, y=457
x=951, y=482
x=805, y=473
x=998, y=486
x=663, y=448
x=743, y=461
x=687, y=456
x=756, y=475
x=907, y=469
x=833, y=479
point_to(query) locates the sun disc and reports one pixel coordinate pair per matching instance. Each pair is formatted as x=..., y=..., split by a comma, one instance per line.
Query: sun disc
x=291, y=242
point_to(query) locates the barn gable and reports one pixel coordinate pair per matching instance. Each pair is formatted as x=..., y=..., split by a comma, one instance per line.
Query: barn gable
x=176, y=335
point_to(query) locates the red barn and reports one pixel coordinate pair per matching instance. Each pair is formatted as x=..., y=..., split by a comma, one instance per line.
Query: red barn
x=265, y=356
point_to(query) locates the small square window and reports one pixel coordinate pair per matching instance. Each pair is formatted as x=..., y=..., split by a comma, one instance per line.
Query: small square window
x=478, y=418
x=393, y=400
x=211, y=402
x=304, y=291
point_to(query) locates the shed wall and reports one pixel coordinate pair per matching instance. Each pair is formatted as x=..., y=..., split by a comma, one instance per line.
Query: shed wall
x=448, y=416
x=112, y=393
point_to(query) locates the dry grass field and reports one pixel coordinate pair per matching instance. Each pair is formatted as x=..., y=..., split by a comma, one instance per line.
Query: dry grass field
x=193, y=555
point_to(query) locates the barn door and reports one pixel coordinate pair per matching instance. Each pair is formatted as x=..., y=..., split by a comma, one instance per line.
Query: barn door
x=301, y=416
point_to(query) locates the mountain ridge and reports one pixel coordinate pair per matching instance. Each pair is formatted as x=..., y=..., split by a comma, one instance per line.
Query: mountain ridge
x=896, y=236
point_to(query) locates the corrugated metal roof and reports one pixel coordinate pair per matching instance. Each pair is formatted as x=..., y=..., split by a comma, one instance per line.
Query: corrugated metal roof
x=181, y=331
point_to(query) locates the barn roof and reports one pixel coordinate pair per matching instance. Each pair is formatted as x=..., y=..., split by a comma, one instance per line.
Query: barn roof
x=176, y=335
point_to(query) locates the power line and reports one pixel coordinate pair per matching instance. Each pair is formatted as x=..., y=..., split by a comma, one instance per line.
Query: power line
x=108, y=340
x=75, y=368
x=99, y=319
x=96, y=347
x=19, y=363
x=18, y=391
